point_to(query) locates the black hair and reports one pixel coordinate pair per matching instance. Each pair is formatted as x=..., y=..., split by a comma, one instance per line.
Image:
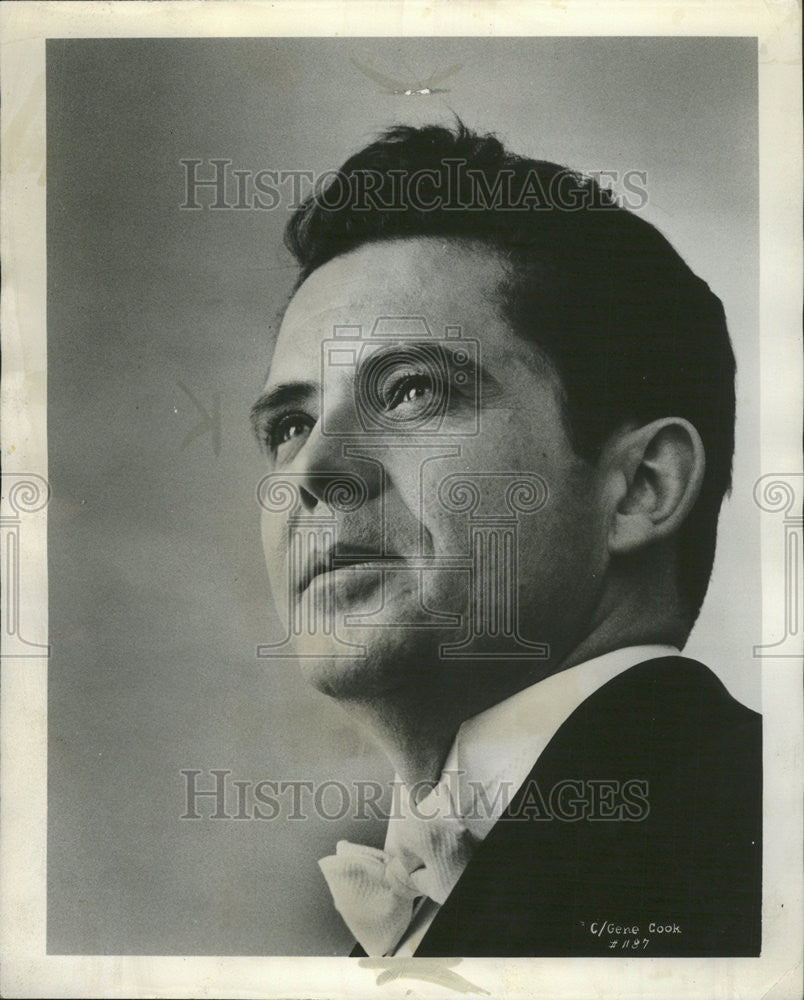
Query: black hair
x=631, y=331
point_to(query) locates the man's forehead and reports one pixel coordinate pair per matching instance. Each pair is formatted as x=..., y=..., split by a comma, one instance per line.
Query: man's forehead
x=442, y=282
x=398, y=274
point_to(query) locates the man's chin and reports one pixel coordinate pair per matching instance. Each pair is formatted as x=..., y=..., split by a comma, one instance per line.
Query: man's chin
x=374, y=663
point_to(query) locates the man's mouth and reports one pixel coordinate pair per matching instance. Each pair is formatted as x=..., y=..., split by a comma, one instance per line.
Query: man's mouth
x=342, y=557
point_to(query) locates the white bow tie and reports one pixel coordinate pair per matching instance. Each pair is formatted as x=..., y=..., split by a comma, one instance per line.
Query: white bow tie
x=375, y=891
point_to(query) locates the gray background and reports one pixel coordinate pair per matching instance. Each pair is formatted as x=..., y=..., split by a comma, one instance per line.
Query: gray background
x=158, y=594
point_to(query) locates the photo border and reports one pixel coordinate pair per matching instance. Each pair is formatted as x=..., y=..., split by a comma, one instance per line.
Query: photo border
x=27, y=971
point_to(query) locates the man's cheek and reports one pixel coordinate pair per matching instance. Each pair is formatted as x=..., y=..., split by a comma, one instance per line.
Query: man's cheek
x=447, y=592
x=448, y=535
x=274, y=539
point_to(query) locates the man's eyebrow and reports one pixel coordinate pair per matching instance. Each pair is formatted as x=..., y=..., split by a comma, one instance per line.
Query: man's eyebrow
x=406, y=349
x=278, y=398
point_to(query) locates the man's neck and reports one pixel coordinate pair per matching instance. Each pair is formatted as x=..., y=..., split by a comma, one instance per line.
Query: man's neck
x=416, y=734
x=416, y=738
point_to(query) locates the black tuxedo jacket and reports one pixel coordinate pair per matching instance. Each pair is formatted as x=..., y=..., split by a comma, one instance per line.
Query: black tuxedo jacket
x=638, y=832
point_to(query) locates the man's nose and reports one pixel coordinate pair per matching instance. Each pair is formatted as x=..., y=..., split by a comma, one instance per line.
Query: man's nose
x=331, y=472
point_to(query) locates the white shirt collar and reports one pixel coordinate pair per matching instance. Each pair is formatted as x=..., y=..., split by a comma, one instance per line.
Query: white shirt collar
x=494, y=751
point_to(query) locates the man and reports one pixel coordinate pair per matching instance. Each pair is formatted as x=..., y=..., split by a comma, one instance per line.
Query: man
x=506, y=407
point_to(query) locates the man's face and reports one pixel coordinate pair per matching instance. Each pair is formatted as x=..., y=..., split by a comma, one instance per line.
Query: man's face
x=404, y=410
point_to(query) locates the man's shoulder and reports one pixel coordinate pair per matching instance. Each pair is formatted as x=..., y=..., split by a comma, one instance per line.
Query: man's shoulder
x=671, y=724
x=667, y=701
x=645, y=807
x=677, y=679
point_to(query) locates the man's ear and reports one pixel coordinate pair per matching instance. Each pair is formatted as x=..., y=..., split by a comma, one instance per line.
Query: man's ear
x=654, y=475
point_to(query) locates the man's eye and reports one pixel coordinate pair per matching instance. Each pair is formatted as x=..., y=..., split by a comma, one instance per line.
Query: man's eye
x=290, y=429
x=407, y=389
